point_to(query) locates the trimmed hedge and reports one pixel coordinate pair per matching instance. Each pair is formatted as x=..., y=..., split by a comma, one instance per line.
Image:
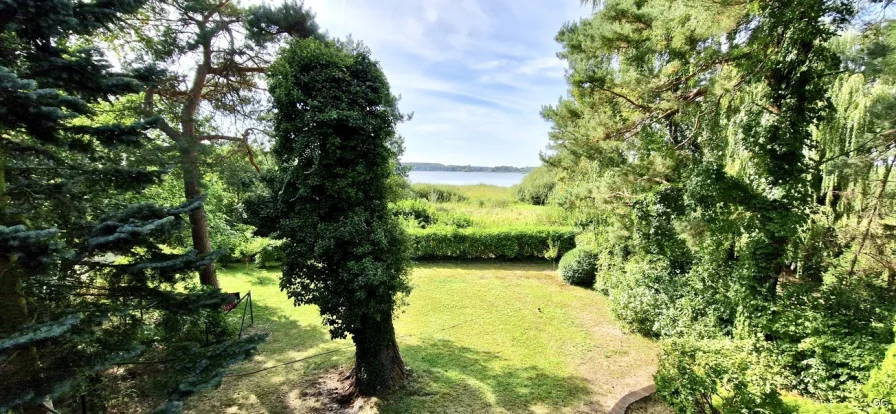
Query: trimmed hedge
x=444, y=242
x=488, y=243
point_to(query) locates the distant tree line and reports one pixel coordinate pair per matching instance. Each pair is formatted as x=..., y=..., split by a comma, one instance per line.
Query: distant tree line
x=433, y=166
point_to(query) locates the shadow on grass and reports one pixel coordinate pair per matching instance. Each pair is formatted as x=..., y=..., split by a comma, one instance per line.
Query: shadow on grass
x=288, y=340
x=450, y=378
x=285, y=334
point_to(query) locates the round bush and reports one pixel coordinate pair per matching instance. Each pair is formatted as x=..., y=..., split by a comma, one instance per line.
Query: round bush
x=578, y=266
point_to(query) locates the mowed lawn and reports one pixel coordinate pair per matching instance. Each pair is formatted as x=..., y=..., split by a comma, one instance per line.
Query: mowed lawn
x=478, y=337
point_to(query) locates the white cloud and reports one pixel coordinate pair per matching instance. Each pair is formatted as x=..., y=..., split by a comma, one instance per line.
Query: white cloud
x=490, y=64
x=546, y=66
x=474, y=72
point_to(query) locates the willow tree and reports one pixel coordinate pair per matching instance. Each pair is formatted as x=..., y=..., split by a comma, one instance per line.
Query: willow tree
x=334, y=127
x=215, y=53
x=697, y=138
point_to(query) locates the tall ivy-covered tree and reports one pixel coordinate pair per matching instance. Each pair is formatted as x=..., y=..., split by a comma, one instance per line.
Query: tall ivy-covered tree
x=84, y=280
x=334, y=126
x=214, y=52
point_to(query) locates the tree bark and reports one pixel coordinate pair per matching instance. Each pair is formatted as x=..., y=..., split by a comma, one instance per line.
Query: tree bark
x=378, y=364
x=198, y=220
x=22, y=370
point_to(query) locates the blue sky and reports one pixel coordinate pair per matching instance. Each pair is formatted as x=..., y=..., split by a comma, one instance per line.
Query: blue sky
x=474, y=72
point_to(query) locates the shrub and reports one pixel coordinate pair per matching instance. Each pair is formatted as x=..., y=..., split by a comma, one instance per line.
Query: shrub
x=537, y=186
x=438, y=193
x=832, y=338
x=271, y=253
x=718, y=376
x=453, y=219
x=882, y=385
x=488, y=243
x=577, y=267
x=414, y=209
x=248, y=249
x=802, y=405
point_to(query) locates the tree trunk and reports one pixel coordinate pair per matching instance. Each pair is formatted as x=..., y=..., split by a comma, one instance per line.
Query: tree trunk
x=21, y=372
x=198, y=221
x=378, y=364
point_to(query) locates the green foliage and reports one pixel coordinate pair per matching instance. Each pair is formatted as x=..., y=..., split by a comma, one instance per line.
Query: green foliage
x=553, y=251
x=416, y=210
x=488, y=243
x=802, y=405
x=729, y=160
x=881, y=386
x=578, y=266
x=452, y=218
x=718, y=376
x=537, y=186
x=437, y=193
x=85, y=280
x=327, y=195
x=195, y=40
x=832, y=338
x=271, y=253
x=223, y=206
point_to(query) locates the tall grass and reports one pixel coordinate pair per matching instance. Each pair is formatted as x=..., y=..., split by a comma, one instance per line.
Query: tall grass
x=489, y=206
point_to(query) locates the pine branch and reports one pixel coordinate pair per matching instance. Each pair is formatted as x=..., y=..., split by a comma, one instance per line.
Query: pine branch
x=149, y=111
x=244, y=140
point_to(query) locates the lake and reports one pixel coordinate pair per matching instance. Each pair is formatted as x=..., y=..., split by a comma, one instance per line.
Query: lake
x=465, y=178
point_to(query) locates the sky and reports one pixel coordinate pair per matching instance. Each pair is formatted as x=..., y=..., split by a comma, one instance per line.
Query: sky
x=475, y=73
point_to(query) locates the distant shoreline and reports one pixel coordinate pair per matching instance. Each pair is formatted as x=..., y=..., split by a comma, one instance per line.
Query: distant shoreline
x=431, y=166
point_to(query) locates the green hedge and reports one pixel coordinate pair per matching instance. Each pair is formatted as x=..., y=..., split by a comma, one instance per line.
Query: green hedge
x=488, y=243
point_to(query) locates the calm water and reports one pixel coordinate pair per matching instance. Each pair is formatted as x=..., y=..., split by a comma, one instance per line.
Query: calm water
x=464, y=178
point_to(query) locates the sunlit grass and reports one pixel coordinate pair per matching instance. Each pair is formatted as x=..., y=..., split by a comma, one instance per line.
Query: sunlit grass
x=478, y=337
x=493, y=206
x=517, y=215
x=491, y=194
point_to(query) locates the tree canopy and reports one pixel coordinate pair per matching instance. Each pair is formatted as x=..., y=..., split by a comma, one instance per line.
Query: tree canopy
x=724, y=153
x=85, y=280
x=215, y=53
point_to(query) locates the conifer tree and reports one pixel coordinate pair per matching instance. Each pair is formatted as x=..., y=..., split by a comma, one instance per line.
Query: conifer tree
x=335, y=133
x=215, y=53
x=84, y=280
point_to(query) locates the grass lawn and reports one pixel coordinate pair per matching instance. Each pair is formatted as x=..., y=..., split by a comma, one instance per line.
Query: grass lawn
x=478, y=337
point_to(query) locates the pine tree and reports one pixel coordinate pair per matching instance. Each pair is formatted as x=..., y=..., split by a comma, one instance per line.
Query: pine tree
x=215, y=53
x=335, y=129
x=84, y=277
